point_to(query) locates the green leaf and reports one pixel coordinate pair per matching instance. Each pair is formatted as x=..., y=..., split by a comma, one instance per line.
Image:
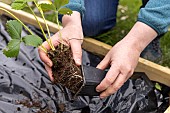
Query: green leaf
x=46, y=7
x=12, y=50
x=65, y=11
x=29, y=0
x=18, y=4
x=14, y=29
x=44, y=2
x=19, y=0
x=32, y=40
x=60, y=3
x=51, y=17
x=158, y=86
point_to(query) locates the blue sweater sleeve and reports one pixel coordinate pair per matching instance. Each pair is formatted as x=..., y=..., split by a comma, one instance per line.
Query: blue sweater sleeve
x=77, y=5
x=156, y=14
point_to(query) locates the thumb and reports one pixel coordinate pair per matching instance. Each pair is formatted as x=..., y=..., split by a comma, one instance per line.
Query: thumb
x=104, y=63
x=43, y=56
x=49, y=71
x=76, y=50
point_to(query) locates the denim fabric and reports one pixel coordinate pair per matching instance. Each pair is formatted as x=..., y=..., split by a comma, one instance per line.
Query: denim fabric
x=100, y=16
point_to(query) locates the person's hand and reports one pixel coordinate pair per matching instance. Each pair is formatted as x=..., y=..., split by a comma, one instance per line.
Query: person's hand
x=69, y=38
x=123, y=59
x=71, y=34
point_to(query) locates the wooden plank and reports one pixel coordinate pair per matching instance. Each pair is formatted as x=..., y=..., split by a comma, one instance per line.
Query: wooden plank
x=96, y=47
x=154, y=71
x=167, y=110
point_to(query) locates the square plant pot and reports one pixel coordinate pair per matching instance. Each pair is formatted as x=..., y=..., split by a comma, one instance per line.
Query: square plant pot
x=91, y=78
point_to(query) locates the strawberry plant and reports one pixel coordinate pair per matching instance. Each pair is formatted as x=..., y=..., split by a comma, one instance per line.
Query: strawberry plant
x=65, y=71
x=14, y=27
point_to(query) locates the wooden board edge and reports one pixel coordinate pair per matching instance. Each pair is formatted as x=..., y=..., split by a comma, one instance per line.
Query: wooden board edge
x=167, y=110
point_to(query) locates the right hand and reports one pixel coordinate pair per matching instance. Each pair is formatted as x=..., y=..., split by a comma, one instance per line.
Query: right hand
x=72, y=35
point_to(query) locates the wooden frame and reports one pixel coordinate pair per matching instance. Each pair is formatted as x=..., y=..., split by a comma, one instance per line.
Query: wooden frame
x=154, y=71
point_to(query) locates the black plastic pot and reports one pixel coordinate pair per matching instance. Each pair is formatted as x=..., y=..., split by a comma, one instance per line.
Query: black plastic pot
x=92, y=77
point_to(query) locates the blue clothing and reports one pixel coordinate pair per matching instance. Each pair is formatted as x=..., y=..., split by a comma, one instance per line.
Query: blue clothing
x=155, y=14
x=99, y=17
x=77, y=5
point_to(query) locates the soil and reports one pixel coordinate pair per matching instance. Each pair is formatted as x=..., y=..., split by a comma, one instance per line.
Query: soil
x=35, y=103
x=65, y=71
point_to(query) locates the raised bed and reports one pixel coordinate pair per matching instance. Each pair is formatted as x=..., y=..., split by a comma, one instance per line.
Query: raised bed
x=154, y=71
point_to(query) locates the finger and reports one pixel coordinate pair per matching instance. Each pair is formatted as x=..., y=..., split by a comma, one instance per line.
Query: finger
x=49, y=71
x=55, y=39
x=44, y=56
x=104, y=63
x=76, y=50
x=121, y=79
x=109, y=78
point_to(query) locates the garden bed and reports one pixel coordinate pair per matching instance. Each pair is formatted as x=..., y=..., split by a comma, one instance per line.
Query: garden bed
x=154, y=71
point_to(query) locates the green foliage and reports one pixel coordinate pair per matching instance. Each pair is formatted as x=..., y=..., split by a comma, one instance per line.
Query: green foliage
x=20, y=4
x=47, y=7
x=58, y=6
x=126, y=17
x=65, y=11
x=165, y=47
x=158, y=86
x=32, y=40
x=14, y=29
x=13, y=48
x=60, y=3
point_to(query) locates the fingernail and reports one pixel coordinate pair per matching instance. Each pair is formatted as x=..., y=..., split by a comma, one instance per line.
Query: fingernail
x=49, y=64
x=78, y=61
x=97, y=90
x=102, y=97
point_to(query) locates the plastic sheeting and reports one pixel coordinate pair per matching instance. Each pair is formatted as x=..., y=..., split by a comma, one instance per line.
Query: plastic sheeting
x=26, y=88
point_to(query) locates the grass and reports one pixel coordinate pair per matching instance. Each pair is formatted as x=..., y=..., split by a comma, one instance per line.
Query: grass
x=126, y=17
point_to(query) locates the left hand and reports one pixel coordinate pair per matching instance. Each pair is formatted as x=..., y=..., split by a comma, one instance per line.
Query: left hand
x=123, y=59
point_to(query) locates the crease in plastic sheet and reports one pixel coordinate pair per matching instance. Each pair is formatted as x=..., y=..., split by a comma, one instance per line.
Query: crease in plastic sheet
x=24, y=79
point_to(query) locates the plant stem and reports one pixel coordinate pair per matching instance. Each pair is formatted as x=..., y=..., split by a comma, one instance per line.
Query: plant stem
x=53, y=48
x=39, y=25
x=60, y=36
x=18, y=20
x=49, y=42
x=43, y=48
